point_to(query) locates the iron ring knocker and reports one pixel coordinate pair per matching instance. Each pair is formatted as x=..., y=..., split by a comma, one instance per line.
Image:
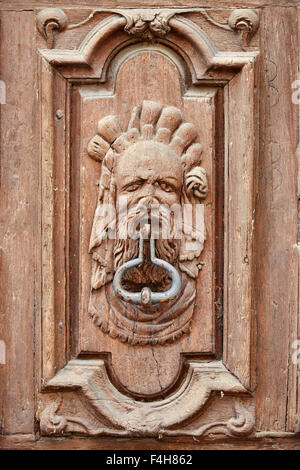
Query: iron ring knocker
x=146, y=297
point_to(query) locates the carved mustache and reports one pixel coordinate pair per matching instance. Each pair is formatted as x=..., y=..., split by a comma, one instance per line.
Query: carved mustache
x=126, y=245
x=148, y=210
x=125, y=250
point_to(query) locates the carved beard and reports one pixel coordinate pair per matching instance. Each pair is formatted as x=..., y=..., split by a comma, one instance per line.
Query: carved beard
x=125, y=249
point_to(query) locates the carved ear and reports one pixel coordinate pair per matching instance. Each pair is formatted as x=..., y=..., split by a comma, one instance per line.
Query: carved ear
x=196, y=183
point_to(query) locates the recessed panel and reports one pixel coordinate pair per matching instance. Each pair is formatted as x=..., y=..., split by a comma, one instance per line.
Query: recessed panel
x=186, y=325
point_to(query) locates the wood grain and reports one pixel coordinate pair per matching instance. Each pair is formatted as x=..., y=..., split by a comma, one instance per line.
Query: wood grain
x=148, y=4
x=138, y=79
x=276, y=211
x=24, y=207
x=239, y=223
x=18, y=222
x=272, y=442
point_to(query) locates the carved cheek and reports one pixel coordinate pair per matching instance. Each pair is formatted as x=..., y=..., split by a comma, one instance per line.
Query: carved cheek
x=170, y=198
x=174, y=200
x=134, y=197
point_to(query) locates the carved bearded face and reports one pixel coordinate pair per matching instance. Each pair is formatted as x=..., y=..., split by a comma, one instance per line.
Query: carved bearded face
x=149, y=171
x=152, y=169
x=147, y=174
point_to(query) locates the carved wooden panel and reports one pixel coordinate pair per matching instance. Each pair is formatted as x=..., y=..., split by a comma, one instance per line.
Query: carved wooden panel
x=172, y=319
x=216, y=364
x=149, y=335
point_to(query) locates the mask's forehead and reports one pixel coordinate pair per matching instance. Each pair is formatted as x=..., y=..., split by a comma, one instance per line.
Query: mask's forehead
x=149, y=159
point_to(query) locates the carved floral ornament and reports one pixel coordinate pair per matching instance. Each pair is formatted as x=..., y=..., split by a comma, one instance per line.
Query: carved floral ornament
x=146, y=24
x=154, y=164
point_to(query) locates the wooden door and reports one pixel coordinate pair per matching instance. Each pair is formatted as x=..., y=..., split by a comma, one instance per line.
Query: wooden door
x=149, y=250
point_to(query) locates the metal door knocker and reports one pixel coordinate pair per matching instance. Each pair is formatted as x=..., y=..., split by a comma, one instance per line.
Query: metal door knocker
x=146, y=297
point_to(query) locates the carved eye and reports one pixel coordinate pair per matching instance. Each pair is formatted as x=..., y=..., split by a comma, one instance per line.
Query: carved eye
x=133, y=187
x=166, y=187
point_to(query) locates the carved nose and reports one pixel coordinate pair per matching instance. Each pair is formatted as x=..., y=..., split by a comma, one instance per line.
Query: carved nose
x=146, y=297
x=150, y=189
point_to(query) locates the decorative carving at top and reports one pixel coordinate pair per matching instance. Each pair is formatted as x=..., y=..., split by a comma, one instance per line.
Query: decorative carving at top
x=245, y=21
x=146, y=24
x=50, y=20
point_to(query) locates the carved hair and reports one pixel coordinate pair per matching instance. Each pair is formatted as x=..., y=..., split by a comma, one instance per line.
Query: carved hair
x=151, y=121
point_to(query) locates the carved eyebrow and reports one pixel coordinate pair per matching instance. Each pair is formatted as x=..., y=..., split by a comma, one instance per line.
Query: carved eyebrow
x=138, y=180
x=171, y=180
x=167, y=178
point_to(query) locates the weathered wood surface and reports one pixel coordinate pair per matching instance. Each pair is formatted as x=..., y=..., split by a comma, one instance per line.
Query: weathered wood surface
x=18, y=214
x=137, y=80
x=149, y=4
x=276, y=216
x=276, y=274
x=142, y=66
x=273, y=442
x=239, y=225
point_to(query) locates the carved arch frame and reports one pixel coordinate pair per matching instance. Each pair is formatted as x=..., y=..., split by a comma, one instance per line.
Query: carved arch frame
x=235, y=373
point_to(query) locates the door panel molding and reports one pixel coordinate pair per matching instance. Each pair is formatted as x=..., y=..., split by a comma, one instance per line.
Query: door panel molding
x=63, y=69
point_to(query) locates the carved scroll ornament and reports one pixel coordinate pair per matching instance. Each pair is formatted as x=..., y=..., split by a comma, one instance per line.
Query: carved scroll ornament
x=146, y=24
x=115, y=414
x=153, y=165
x=49, y=21
x=241, y=424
